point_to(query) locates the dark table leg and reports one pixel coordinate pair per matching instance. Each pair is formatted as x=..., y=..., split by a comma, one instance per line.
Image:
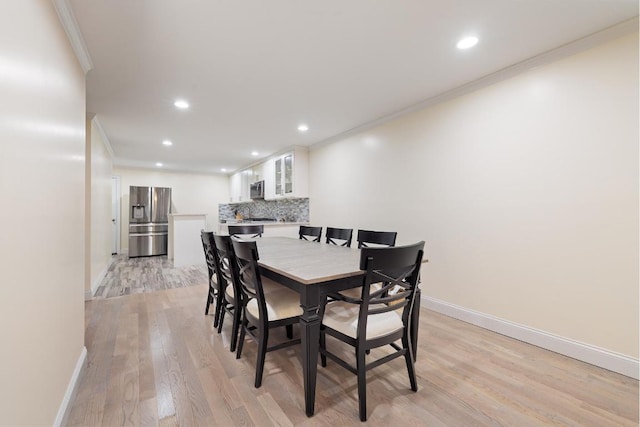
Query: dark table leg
x=310, y=335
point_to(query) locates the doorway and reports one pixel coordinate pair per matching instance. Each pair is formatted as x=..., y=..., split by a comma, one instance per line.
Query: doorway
x=115, y=215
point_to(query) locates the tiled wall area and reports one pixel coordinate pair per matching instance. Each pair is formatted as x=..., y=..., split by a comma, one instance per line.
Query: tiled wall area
x=288, y=210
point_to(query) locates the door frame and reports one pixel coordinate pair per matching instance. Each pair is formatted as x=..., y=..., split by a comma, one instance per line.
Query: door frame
x=115, y=204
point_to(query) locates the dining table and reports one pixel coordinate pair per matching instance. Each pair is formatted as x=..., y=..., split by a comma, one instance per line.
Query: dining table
x=314, y=270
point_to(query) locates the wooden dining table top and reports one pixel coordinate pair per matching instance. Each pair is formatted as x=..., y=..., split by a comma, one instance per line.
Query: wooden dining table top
x=308, y=262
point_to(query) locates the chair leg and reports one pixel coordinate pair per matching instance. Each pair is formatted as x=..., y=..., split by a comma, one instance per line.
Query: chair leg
x=243, y=330
x=362, y=383
x=234, y=330
x=289, y=329
x=408, y=357
x=216, y=319
x=262, y=352
x=221, y=318
x=206, y=309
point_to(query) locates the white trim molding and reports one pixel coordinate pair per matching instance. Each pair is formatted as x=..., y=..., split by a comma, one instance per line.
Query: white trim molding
x=566, y=50
x=68, y=19
x=95, y=284
x=593, y=355
x=72, y=388
x=103, y=135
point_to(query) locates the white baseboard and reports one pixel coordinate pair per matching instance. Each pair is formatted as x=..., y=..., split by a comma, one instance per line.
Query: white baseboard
x=89, y=293
x=597, y=356
x=72, y=388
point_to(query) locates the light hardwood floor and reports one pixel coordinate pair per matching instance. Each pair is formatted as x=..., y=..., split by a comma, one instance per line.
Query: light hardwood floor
x=154, y=359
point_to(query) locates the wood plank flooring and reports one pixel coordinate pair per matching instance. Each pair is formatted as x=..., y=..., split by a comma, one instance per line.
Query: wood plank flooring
x=155, y=360
x=148, y=274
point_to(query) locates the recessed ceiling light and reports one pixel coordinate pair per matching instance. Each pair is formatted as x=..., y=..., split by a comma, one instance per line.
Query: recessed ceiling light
x=167, y=142
x=467, y=42
x=181, y=104
x=254, y=153
x=303, y=128
x=223, y=170
x=159, y=164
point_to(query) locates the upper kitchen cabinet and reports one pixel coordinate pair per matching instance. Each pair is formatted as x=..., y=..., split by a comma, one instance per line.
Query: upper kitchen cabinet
x=239, y=186
x=257, y=173
x=287, y=175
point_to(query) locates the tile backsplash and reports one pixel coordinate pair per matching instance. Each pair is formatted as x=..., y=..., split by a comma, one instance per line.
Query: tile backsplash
x=288, y=210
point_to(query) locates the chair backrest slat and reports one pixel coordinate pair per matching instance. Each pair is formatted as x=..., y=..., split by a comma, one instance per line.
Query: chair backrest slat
x=370, y=238
x=335, y=234
x=312, y=234
x=246, y=231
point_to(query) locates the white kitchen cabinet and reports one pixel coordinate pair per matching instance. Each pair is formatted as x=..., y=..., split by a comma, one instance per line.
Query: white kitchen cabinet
x=257, y=173
x=269, y=175
x=287, y=175
x=239, y=186
x=235, y=182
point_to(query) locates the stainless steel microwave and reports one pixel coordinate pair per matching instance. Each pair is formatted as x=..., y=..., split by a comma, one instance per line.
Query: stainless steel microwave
x=256, y=190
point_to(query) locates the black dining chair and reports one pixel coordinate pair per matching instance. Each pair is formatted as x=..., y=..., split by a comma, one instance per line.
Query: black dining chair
x=369, y=238
x=312, y=234
x=214, y=287
x=231, y=296
x=339, y=236
x=246, y=231
x=366, y=239
x=373, y=320
x=263, y=311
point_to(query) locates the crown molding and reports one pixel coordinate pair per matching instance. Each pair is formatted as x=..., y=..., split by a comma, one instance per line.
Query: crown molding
x=610, y=33
x=103, y=135
x=68, y=20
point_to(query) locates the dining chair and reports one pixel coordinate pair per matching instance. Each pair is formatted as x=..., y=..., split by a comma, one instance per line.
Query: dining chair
x=369, y=238
x=334, y=235
x=263, y=311
x=366, y=239
x=214, y=287
x=312, y=234
x=246, y=231
x=231, y=301
x=374, y=320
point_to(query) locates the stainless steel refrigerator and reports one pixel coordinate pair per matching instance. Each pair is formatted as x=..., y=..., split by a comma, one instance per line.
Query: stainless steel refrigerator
x=149, y=209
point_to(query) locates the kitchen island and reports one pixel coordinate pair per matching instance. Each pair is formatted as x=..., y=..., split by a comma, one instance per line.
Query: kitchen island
x=185, y=244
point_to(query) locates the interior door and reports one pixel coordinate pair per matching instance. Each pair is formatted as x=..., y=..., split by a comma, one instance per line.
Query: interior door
x=115, y=215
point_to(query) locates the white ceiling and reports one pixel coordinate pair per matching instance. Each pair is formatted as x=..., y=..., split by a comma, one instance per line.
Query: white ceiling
x=253, y=70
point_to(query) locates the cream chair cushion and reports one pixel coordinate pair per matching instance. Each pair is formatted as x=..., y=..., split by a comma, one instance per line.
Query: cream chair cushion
x=268, y=286
x=281, y=304
x=343, y=317
x=357, y=292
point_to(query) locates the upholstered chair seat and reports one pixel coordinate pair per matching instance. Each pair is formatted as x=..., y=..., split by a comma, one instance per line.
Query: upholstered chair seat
x=343, y=317
x=281, y=304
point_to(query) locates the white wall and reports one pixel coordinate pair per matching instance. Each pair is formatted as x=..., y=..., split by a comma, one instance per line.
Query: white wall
x=42, y=149
x=526, y=193
x=98, y=189
x=190, y=194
